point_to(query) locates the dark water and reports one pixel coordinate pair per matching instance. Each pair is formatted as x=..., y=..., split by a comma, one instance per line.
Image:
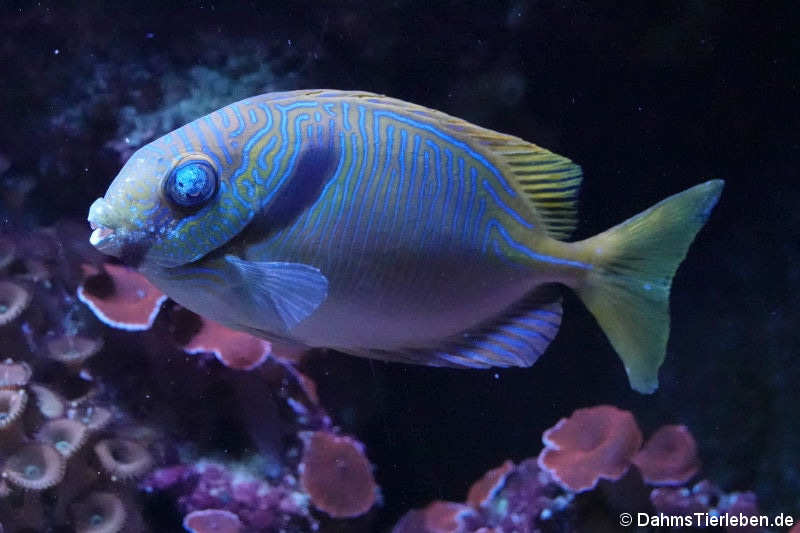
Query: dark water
x=649, y=100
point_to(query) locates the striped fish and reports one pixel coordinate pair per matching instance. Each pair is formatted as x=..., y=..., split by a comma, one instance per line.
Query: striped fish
x=385, y=229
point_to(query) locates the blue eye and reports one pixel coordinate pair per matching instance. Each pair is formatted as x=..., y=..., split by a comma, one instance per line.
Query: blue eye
x=191, y=185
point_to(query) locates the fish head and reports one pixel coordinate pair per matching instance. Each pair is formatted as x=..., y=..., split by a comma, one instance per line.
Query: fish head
x=168, y=207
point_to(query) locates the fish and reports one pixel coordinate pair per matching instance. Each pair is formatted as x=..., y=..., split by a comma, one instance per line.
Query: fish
x=379, y=228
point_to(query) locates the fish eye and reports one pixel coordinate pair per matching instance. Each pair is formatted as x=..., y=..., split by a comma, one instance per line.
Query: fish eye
x=191, y=184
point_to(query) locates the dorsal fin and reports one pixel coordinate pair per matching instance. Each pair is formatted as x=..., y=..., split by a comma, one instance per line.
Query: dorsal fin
x=549, y=182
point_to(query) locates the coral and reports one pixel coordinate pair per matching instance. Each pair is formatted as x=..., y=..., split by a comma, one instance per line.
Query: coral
x=233, y=349
x=53, y=413
x=483, y=490
x=336, y=474
x=13, y=301
x=14, y=374
x=66, y=435
x=705, y=497
x=260, y=505
x=212, y=521
x=669, y=457
x=44, y=445
x=121, y=297
x=123, y=458
x=438, y=517
x=594, y=443
x=529, y=498
x=73, y=350
x=99, y=512
x=34, y=466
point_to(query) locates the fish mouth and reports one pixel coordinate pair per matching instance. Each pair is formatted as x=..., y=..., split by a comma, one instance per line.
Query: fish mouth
x=104, y=237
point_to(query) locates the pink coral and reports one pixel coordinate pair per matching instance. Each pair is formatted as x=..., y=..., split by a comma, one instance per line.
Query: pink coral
x=212, y=521
x=438, y=517
x=483, y=490
x=669, y=457
x=233, y=349
x=336, y=475
x=121, y=297
x=594, y=443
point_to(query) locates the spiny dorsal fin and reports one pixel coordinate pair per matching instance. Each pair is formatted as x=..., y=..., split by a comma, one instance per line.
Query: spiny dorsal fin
x=549, y=181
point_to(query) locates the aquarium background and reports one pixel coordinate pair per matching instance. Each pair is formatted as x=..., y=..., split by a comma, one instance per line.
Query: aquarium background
x=649, y=98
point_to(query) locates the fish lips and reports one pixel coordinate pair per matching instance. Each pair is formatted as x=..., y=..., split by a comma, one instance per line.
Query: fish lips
x=104, y=236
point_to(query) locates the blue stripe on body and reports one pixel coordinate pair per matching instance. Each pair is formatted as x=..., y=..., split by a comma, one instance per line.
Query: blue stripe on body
x=323, y=205
x=399, y=197
x=406, y=223
x=346, y=201
x=346, y=115
x=469, y=223
x=219, y=138
x=298, y=141
x=246, y=159
x=368, y=200
x=239, y=122
x=530, y=253
x=455, y=142
x=458, y=210
x=388, y=146
x=448, y=223
x=513, y=214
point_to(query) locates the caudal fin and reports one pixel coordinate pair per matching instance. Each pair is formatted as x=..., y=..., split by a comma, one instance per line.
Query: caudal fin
x=628, y=291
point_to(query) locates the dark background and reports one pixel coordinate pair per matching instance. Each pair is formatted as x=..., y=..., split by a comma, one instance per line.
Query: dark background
x=650, y=98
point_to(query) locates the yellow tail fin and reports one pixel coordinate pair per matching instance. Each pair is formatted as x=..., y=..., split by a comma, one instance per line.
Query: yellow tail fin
x=628, y=292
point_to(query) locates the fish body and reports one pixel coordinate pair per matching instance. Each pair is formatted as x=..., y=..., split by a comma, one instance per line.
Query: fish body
x=385, y=229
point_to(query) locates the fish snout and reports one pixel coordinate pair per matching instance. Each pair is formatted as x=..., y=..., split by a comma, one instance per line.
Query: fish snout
x=105, y=231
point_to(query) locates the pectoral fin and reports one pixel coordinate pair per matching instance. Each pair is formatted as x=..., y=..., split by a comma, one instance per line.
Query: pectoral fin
x=292, y=291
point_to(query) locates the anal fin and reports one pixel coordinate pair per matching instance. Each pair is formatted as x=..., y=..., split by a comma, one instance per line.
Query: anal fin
x=516, y=338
